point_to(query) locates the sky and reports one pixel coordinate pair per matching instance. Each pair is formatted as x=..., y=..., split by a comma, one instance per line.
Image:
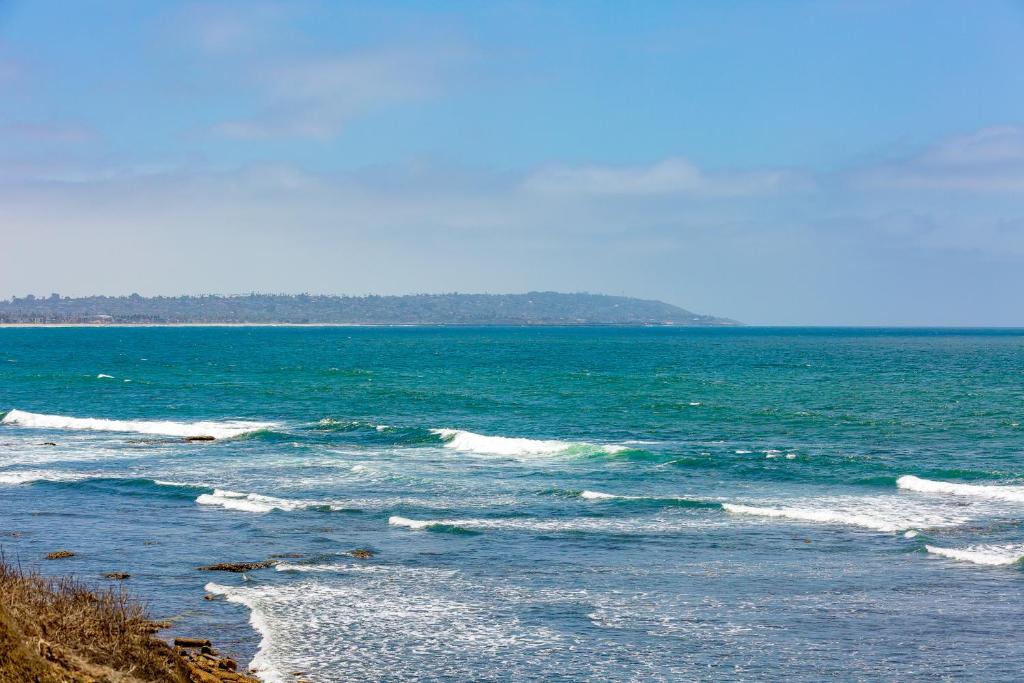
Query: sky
x=795, y=163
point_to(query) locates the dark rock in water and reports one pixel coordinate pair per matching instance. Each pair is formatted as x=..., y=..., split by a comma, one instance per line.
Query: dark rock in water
x=237, y=566
x=48, y=443
x=209, y=596
x=290, y=556
x=59, y=554
x=190, y=439
x=362, y=553
x=116, y=576
x=192, y=642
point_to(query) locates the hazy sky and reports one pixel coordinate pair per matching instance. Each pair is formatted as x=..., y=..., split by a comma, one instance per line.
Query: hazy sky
x=775, y=162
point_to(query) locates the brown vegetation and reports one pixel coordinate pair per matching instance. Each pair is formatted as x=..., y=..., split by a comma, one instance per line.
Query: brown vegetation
x=60, y=631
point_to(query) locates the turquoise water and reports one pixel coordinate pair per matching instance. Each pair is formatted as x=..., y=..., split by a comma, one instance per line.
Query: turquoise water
x=582, y=504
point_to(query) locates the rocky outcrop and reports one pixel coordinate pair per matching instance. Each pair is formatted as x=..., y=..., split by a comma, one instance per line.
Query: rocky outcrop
x=205, y=665
x=237, y=567
x=59, y=554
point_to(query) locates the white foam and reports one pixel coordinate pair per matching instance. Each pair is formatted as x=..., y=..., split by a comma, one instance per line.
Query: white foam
x=28, y=477
x=1008, y=493
x=408, y=623
x=261, y=664
x=461, y=440
x=992, y=555
x=395, y=520
x=218, y=430
x=102, y=376
x=879, y=513
x=254, y=502
x=665, y=524
x=597, y=495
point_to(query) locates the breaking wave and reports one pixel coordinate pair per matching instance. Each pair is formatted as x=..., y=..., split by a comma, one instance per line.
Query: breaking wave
x=668, y=501
x=1009, y=493
x=262, y=664
x=33, y=476
x=217, y=430
x=877, y=513
x=992, y=555
x=596, y=525
x=254, y=502
x=461, y=440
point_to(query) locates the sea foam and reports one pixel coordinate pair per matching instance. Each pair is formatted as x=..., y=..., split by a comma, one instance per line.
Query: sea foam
x=411, y=623
x=597, y=495
x=992, y=555
x=879, y=513
x=218, y=430
x=1009, y=493
x=598, y=525
x=667, y=501
x=32, y=476
x=254, y=502
x=461, y=440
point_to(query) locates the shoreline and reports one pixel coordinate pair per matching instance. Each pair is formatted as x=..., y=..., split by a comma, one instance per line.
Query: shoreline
x=58, y=627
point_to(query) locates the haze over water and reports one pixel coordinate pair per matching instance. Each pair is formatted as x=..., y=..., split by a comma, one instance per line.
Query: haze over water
x=618, y=504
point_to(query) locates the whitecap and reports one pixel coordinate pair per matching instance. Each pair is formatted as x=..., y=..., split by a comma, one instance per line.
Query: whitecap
x=254, y=502
x=1008, y=493
x=992, y=555
x=879, y=513
x=218, y=430
x=395, y=520
x=461, y=440
x=597, y=495
x=631, y=525
x=32, y=476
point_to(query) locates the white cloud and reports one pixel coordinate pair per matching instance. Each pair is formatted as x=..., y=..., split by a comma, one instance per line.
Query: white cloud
x=218, y=27
x=48, y=133
x=315, y=98
x=987, y=160
x=673, y=176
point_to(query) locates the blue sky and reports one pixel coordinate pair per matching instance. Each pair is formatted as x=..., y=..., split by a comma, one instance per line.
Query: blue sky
x=776, y=162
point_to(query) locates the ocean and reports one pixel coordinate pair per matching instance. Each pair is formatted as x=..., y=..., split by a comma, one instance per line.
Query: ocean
x=541, y=504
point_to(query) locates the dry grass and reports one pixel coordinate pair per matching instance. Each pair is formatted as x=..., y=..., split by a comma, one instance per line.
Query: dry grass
x=60, y=630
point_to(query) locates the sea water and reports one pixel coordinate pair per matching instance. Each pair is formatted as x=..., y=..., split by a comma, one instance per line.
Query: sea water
x=542, y=504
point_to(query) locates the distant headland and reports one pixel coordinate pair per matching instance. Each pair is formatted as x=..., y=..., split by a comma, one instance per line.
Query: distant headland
x=532, y=308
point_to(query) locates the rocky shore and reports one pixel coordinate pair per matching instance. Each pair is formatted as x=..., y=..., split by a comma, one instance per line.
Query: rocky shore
x=59, y=630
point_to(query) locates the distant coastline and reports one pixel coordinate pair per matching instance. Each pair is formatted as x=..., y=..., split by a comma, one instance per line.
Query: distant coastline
x=532, y=309
x=5, y=325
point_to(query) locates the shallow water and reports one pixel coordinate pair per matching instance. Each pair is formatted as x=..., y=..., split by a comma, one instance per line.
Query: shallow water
x=626, y=504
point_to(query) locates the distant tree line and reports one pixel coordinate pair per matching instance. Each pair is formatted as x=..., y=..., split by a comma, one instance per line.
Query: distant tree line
x=533, y=308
